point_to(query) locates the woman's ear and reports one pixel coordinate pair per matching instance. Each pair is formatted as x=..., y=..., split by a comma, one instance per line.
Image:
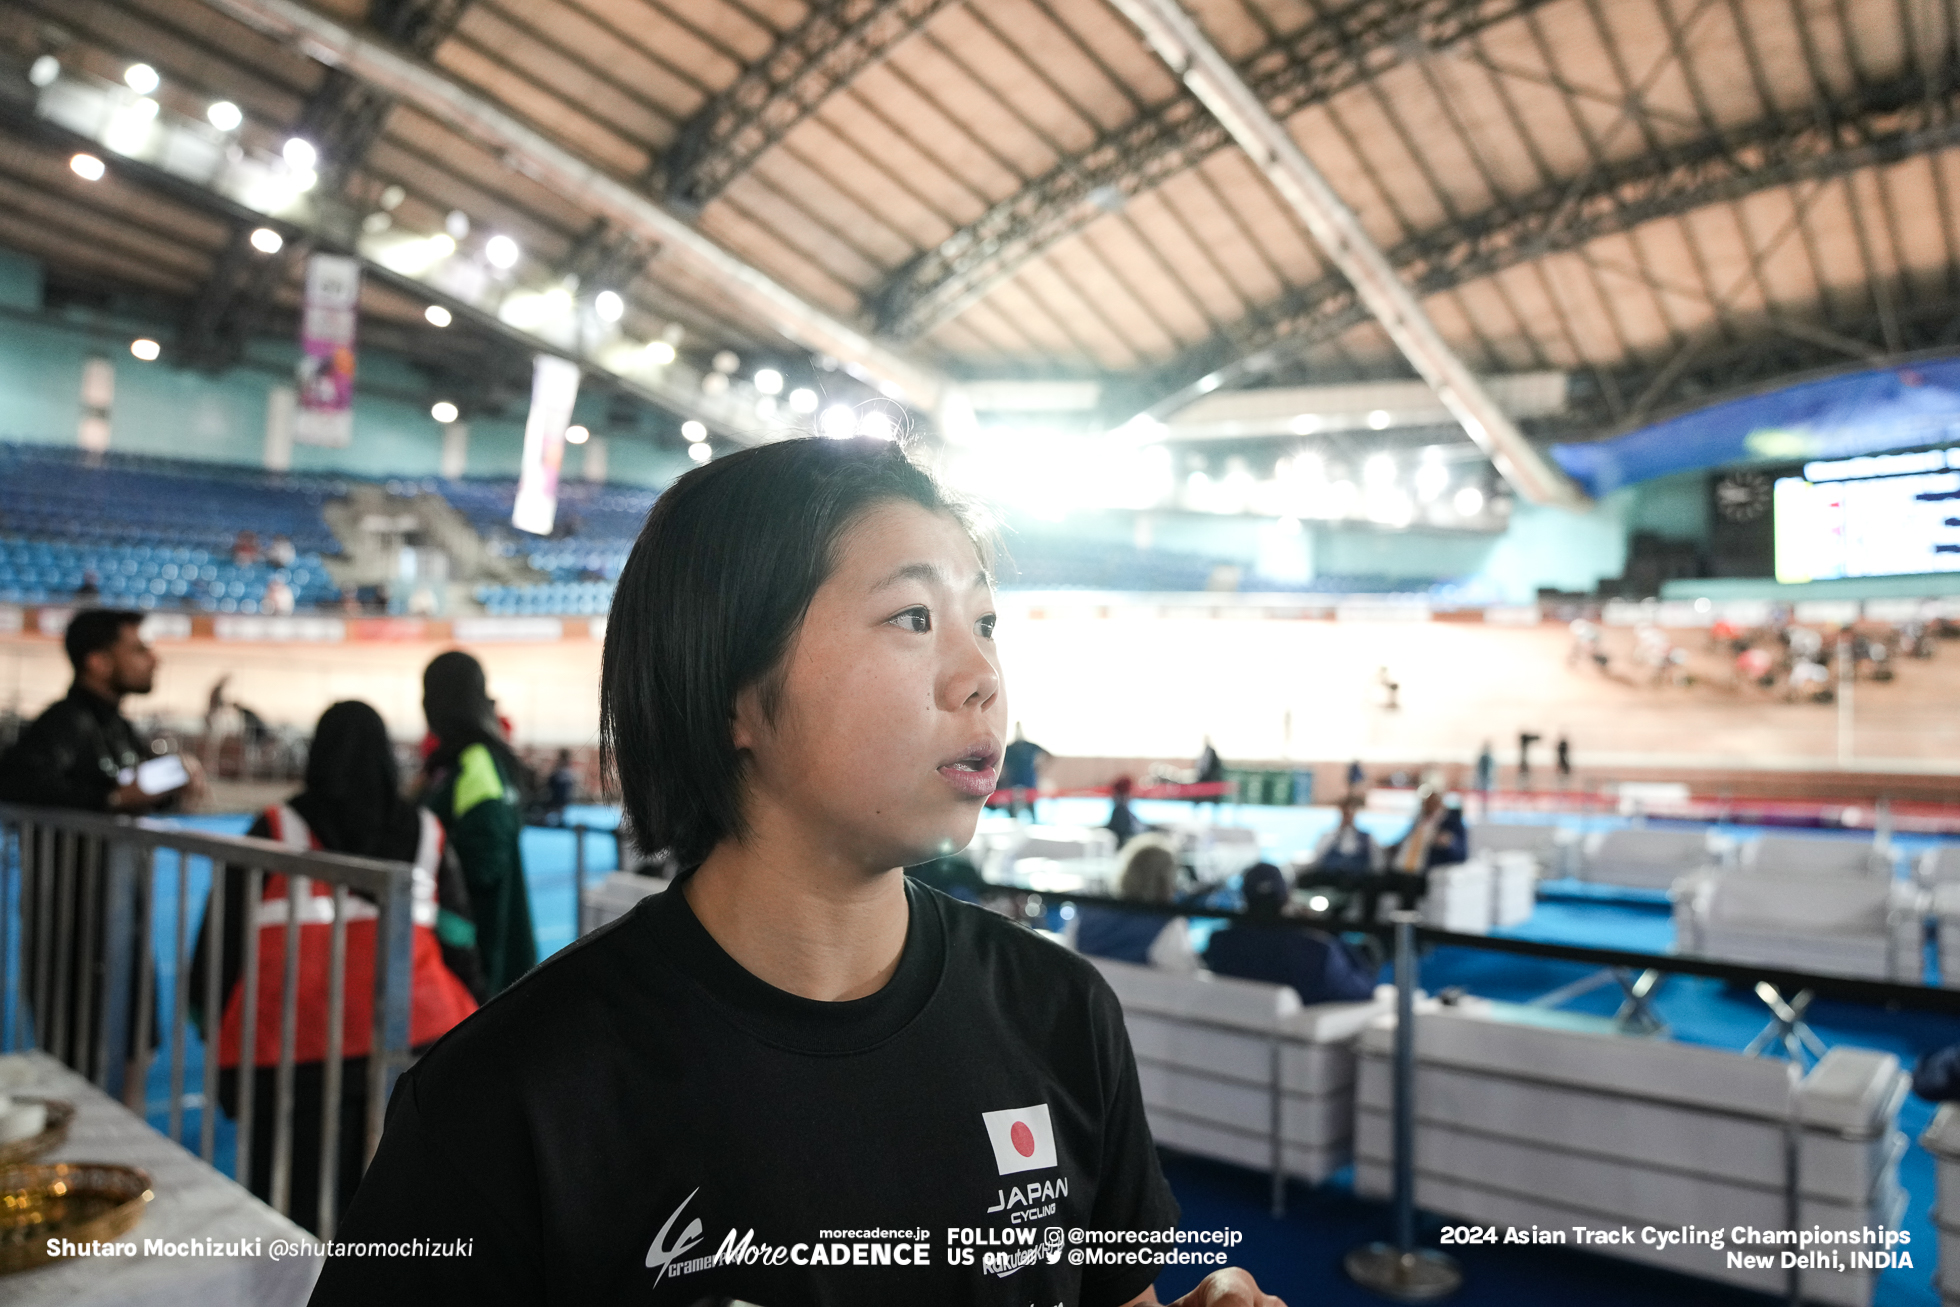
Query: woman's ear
x=746, y=726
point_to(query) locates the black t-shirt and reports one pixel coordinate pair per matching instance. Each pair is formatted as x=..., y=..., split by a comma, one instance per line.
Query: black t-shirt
x=640, y=1120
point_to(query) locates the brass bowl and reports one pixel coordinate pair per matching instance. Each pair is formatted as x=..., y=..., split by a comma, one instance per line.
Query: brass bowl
x=52, y=1136
x=77, y=1201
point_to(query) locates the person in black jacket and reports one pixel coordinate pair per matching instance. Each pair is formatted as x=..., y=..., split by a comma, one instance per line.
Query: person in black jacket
x=1320, y=968
x=82, y=754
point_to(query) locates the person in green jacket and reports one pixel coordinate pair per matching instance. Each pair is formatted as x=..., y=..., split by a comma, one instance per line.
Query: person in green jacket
x=476, y=786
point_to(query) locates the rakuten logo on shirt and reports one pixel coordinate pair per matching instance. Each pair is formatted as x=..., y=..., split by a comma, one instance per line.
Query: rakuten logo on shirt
x=1022, y=1137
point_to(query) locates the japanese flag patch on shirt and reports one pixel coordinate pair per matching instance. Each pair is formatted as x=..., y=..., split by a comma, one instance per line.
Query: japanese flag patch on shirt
x=1023, y=1139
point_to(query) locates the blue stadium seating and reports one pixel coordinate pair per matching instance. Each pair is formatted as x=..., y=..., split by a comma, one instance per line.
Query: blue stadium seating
x=155, y=533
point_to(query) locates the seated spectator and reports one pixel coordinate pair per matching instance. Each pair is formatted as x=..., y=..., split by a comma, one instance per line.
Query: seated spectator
x=280, y=553
x=1152, y=939
x=1123, y=824
x=1436, y=838
x=1320, y=968
x=1347, y=850
x=245, y=549
x=278, y=598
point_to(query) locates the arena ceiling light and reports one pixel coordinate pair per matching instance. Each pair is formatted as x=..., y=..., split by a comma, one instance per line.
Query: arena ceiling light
x=1379, y=470
x=609, y=306
x=87, y=167
x=1304, y=425
x=44, y=71
x=146, y=349
x=694, y=431
x=838, y=422
x=700, y=453
x=437, y=315
x=803, y=401
x=502, y=252
x=577, y=434
x=142, y=79
x=878, y=425
x=1468, y=501
x=1432, y=478
x=225, y=116
x=1379, y=419
x=300, y=154
x=660, y=353
x=769, y=382
x=267, y=241
x=443, y=411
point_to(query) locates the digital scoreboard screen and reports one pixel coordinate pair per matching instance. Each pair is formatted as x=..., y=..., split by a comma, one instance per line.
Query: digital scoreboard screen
x=1882, y=515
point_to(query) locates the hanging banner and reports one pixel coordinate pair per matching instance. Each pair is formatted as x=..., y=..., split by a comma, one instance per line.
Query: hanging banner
x=326, y=348
x=554, y=385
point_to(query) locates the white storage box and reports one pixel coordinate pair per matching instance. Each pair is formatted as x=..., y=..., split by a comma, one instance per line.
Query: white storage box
x=1645, y=857
x=1533, y=1117
x=1208, y=1049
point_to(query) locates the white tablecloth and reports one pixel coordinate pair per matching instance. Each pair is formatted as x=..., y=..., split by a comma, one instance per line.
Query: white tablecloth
x=193, y=1201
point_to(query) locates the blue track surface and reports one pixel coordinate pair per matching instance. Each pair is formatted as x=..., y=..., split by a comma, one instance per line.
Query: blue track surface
x=1299, y=1255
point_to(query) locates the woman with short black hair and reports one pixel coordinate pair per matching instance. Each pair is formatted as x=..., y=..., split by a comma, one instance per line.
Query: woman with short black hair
x=794, y=1077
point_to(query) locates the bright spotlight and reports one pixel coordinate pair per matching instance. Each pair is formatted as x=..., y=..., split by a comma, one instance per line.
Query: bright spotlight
x=769, y=382
x=1379, y=470
x=695, y=432
x=577, y=434
x=878, y=426
x=715, y=383
x=1469, y=501
x=803, y=400
x=1432, y=479
x=146, y=349
x=609, y=306
x=727, y=361
x=700, y=453
x=87, y=167
x=44, y=70
x=443, y=411
x=437, y=315
x=299, y=154
x=1318, y=903
x=660, y=353
x=1306, y=424
x=456, y=223
x=267, y=241
x=838, y=422
x=1379, y=419
x=225, y=116
x=501, y=251
x=141, y=78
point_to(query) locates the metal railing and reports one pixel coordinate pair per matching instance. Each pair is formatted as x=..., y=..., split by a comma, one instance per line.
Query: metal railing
x=78, y=893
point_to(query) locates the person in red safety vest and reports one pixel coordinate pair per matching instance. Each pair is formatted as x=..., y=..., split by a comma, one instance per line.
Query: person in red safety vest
x=352, y=804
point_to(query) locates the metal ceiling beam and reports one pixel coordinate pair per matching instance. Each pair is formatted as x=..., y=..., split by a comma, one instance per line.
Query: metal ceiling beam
x=1879, y=124
x=342, y=118
x=1178, y=41
x=1336, y=51
x=413, y=81
x=836, y=41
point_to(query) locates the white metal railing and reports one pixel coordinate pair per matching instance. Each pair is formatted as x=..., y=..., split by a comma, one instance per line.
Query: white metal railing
x=77, y=895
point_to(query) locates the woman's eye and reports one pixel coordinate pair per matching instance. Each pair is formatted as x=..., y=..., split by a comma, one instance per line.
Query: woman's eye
x=985, y=626
x=916, y=620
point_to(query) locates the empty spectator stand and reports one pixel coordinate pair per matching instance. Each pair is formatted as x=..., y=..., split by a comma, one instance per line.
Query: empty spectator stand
x=590, y=541
x=154, y=533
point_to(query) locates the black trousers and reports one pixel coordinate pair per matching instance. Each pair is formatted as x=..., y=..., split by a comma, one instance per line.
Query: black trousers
x=309, y=1093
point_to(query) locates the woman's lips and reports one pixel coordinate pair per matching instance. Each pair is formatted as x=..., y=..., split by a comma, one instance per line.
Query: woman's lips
x=976, y=776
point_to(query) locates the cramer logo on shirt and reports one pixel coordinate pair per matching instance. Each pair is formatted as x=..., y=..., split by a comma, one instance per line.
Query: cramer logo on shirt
x=1022, y=1137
